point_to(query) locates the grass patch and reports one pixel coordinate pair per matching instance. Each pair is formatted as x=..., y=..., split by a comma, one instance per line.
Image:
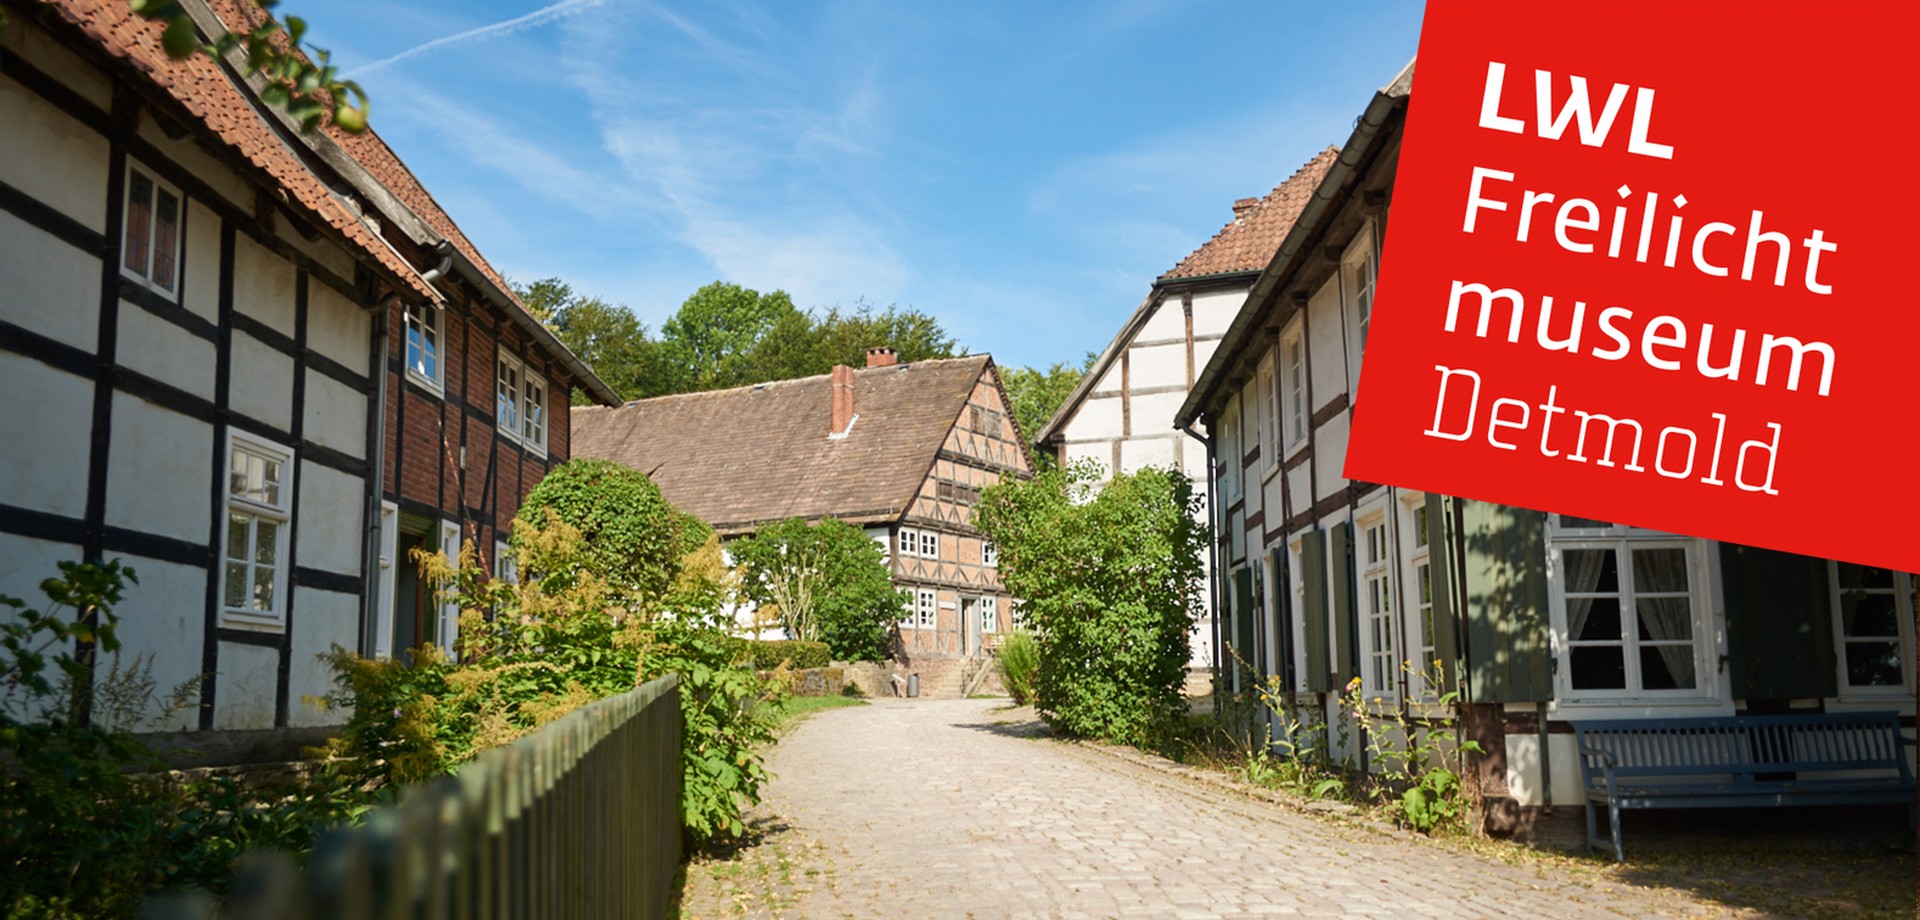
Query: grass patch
x=797, y=708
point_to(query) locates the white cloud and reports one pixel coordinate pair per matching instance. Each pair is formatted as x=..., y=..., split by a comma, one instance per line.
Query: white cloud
x=537, y=18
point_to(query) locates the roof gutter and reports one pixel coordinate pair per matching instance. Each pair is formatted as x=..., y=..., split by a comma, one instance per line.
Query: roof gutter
x=1352, y=154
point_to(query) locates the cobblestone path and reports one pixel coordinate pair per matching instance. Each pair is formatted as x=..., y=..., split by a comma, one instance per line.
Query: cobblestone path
x=909, y=809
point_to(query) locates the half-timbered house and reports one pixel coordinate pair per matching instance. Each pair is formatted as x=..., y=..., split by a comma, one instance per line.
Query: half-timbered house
x=1537, y=620
x=216, y=327
x=902, y=450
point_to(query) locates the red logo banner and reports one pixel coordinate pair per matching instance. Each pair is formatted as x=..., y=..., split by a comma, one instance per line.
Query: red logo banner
x=1657, y=264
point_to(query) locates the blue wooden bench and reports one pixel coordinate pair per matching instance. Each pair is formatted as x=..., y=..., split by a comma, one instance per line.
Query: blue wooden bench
x=1743, y=762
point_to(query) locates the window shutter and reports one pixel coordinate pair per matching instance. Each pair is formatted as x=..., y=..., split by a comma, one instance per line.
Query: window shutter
x=1313, y=616
x=1346, y=611
x=1243, y=659
x=1779, y=624
x=1440, y=565
x=1282, y=590
x=1503, y=576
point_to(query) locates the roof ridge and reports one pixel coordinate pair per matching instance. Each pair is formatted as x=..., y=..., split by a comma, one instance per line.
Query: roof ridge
x=791, y=381
x=1226, y=245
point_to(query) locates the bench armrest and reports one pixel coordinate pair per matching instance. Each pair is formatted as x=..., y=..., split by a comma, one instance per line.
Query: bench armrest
x=1606, y=758
x=1593, y=755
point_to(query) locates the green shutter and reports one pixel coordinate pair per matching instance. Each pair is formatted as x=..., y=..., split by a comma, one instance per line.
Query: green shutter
x=1779, y=624
x=1346, y=612
x=1313, y=615
x=1243, y=625
x=1503, y=578
x=1282, y=591
x=1446, y=630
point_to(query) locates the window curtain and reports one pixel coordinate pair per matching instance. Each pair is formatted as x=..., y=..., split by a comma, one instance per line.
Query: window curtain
x=1583, y=568
x=1665, y=619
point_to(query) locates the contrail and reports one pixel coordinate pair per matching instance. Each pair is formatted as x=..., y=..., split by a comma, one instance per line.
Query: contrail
x=538, y=17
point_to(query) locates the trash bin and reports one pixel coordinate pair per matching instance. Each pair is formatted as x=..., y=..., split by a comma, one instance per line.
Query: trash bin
x=913, y=685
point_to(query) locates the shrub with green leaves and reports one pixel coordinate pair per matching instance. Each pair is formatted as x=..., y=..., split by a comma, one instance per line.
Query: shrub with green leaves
x=768, y=654
x=1109, y=579
x=826, y=582
x=1019, y=657
x=633, y=539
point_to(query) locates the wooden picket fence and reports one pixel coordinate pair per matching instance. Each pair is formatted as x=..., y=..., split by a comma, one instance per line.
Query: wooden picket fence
x=579, y=819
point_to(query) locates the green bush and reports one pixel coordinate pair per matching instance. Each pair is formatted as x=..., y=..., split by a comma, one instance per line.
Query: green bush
x=827, y=581
x=1019, y=656
x=798, y=654
x=1109, y=579
x=633, y=539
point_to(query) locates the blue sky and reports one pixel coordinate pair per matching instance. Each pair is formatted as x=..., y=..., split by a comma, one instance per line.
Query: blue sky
x=1023, y=171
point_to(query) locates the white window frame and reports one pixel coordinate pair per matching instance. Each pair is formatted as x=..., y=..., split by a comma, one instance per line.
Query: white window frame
x=427, y=318
x=384, y=578
x=926, y=609
x=1231, y=451
x=929, y=544
x=1379, y=621
x=1297, y=584
x=279, y=512
x=989, y=554
x=1267, y=421
x=909, y=542
x=989, y=614
x=519, y=402
x=1359, y=276
x=907, y=609
x=505, y=567
x=1295, y=414
x=1903, y=615
x=144, y=277
x=1622, y=540
x=1416, y=606
x=451, y=537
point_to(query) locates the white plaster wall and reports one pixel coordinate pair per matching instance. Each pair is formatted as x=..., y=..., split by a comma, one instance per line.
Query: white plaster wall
x=1301, y=486
x=34, y=45
x=1158, y=366
x=157, y=472
x=1153, y=414
x=263, y=284
x=332, y=505
x=1110, y=380
x=45, y=458
x=166, y=352
x=1202, y=353
x=1168, y=321
x=1100, y=452
x=1214, y=311
x=248, y=679
x=262, y=383
x=336, y=416
x=1523, y=769
x=338, y=329
x=1098, y=417
x=329, y=256
x=53, y=157
x=1330, y=454
x=1139, y=453
x=190, y=155
x=162, y=627
x=24, y=563
x=48, y=286
x=1272, y=500
x=200, y=279
x=1326, y=348
x=321, y=620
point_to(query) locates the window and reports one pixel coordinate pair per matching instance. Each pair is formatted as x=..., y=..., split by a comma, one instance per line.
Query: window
x=929, y=544
x=926, y=608
x=150, y=247
x=1358, y=270
x=520, y=398
x=1292, y=383
x=909, y=542
x=1269, y=432
x=1016, y=615
x=1627, y=601
x=906, y=608
x=1376, y=611
x=989, y=614
x=1229, y=451
x=505, y=567
x=989, y=554
x=259, y=500
x=1873, y=622
x=1420, y=625
x=423, y=343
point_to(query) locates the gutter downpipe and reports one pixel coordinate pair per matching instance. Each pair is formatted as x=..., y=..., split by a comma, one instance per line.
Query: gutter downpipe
x=1213, y=564
x=377, y=478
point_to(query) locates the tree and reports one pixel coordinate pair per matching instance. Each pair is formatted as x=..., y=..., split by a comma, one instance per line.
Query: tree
x=706, y=342
x=1037, y=394
x=307, y=91
x=1109, y=579
x=828, y=583
x=636, y=540
x=607, y=336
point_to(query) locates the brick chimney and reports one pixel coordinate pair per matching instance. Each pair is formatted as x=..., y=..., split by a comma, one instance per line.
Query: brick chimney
x=882, y=357
x=1241, y=207
x=842, y=401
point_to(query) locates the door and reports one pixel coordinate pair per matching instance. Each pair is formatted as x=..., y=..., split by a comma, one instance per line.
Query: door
x=970, y=625
x=412, y=598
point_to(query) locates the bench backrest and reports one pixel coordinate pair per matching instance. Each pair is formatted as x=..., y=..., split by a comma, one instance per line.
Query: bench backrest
x=1747, y=745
